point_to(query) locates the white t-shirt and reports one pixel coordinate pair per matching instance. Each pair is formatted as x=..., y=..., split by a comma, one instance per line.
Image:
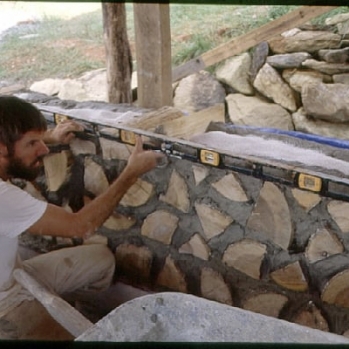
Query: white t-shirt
x=18, y=211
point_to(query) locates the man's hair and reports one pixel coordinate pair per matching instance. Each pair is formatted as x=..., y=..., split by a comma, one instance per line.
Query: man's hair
x=18, y=117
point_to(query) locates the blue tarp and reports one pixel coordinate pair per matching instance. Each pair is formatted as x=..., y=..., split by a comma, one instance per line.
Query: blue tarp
x=334, y=142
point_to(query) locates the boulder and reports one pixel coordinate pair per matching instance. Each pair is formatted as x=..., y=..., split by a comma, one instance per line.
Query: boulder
x=316, y=97
x=198, y=91
x=305, y=124
x=270, y=84
x=235, y=73
x=305, y=41
x=253, y=111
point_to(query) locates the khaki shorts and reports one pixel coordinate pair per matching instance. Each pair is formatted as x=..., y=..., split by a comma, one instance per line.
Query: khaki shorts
x=69, y=272
x=81, y=268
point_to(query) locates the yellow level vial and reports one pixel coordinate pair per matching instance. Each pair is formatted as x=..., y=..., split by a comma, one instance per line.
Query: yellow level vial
x=209, y=157
x=309, y=182
x=128, y=137
x=60, y=118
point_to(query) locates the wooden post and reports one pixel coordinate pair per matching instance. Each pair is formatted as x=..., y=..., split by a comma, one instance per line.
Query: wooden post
x=118, y=54
x=153, y=54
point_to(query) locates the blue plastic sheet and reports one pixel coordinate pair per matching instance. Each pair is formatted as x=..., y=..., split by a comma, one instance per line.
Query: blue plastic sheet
x=334, y=142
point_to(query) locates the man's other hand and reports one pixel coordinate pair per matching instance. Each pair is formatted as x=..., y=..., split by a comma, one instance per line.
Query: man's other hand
x=63, y=133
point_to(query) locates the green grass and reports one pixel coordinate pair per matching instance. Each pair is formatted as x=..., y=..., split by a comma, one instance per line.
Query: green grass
x=321, y=19
x=55, y=49
x=58, y=47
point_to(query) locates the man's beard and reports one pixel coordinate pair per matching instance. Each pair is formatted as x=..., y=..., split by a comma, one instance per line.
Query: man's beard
x=17, y=169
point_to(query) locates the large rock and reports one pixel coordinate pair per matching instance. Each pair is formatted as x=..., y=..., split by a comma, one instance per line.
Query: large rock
x=176, y=317
x=198, y=91
x=343, y=28
x=318, y=127
x=316, y=97
x=341, y=21
x=326, y=68
x=299, y=78
x=73, y=89
x=305, y=41
x=342, y=17
x=50, y=87
x=335, y=56
x=235, y=73
x=270, y=84
x=252, y=111
x=288, y=60
x=259, y=57
x=91, y=86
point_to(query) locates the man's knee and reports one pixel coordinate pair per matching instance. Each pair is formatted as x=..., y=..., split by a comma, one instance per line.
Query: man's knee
x=104, y=257
x=102, y=253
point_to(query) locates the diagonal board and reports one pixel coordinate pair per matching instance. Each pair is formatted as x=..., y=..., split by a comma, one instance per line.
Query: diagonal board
x=59, y=309
x=251, y=39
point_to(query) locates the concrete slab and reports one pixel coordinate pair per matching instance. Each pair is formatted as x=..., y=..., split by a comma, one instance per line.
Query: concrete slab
x=177, y=317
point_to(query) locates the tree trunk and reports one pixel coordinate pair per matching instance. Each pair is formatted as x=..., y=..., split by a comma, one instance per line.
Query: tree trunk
x=118, y=54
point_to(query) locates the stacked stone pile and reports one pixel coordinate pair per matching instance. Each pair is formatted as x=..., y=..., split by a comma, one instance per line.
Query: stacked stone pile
x=296, y=81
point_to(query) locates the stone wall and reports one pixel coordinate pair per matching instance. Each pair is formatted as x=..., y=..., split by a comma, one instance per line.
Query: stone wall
x=227, y=236
x=296, y=81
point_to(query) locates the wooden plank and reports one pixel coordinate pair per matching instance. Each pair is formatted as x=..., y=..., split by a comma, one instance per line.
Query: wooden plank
x=251, y=39
x=153, y=53
x=194, y=123
x=152, y=120
x=59, y=309
x=172, y=122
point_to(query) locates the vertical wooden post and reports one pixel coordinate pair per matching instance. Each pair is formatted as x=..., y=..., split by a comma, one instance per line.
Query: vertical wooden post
x=153, y=54
x=118, y=54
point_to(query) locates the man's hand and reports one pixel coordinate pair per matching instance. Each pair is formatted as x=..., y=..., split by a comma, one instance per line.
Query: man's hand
x=63, y=133
x=141, y=161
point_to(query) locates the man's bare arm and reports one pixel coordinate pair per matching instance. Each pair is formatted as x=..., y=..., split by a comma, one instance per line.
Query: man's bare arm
x=58, y=222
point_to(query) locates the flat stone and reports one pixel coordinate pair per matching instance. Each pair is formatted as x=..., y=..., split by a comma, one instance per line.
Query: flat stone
x=177, y=317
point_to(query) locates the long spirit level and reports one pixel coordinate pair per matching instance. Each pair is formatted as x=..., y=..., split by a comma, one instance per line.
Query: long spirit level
x=265, y=169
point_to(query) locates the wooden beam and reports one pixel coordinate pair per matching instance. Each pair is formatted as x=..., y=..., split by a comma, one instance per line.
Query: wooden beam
x=59, y=309
x=153, y=54
x=251, y=39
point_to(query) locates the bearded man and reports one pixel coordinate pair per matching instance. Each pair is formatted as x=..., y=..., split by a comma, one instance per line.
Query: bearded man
x=86, y=268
